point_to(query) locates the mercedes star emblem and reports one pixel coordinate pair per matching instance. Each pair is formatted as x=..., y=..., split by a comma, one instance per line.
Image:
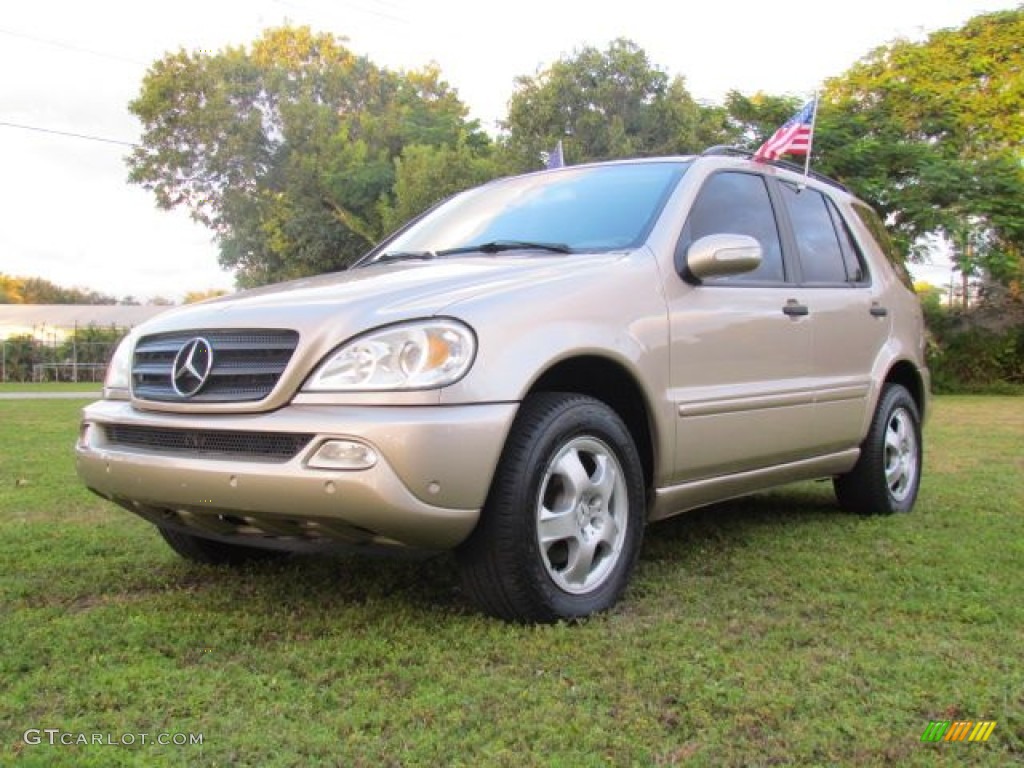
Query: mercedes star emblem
x=192, y=366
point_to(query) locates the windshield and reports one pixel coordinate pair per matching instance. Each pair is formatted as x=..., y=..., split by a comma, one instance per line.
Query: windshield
x=598, y=208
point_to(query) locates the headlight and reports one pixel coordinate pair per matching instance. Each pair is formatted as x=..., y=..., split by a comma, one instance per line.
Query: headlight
x=119, y=370
x=421, y=355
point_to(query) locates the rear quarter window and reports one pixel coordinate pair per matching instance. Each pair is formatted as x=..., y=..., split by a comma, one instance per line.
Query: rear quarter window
x=873, y=222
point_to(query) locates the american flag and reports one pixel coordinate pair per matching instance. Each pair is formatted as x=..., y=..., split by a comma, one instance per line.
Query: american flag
x=793, y=137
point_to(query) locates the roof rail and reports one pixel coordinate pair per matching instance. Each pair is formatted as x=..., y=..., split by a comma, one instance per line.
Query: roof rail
x=727, y=151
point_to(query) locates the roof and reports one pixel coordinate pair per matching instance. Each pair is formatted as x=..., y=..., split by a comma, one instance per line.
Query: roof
x=17, y=319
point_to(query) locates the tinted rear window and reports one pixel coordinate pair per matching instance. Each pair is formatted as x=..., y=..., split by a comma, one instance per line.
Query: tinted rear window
x=821, y=257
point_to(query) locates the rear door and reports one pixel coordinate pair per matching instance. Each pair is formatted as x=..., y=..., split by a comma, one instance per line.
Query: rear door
x=847, y=319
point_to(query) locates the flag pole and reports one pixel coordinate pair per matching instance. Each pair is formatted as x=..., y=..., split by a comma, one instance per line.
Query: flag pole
x=810, y=140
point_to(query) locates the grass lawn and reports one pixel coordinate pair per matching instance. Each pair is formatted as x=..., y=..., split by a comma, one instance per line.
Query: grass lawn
x=769, y=631
x=50, y=386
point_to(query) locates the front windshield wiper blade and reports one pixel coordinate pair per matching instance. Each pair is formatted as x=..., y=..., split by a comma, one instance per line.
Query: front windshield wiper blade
x=497, y=246
x=402, y=256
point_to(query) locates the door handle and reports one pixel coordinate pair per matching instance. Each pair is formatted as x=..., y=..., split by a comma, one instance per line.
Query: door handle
x=877, y=310
x=794, y=308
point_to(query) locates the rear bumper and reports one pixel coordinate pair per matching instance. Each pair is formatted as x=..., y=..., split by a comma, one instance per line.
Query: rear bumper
x=426, y=489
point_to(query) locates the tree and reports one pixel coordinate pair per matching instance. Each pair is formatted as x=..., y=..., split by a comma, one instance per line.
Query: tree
x=751, y=120
x=606, y=104
x=10, y=289
x=424, y=175
x=287, y=149
x=932, y=134
x=193, y=297
x=91, y=345
x=20, y=353
x=36, y=290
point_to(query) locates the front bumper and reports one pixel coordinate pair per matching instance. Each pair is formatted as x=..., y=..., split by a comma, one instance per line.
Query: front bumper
x=426, y=490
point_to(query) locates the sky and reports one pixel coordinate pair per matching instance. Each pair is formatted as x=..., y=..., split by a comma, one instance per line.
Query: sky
x=68, y=214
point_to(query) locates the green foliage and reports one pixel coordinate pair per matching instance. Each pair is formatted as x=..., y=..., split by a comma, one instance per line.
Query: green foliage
x=10, y=289
x=19, y=354
x=192, y=297
x=977, y=360
x=286, y=149
x=751, y=120
x=936, y=317
x=965, y=355
x=931, y=134
x=300, y=154
x=90, y=347
x=606, y=104
x=426, y=174
x=36, y=290
x=91, y=344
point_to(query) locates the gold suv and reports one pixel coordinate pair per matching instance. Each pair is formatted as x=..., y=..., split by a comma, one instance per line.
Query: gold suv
x=530, y=373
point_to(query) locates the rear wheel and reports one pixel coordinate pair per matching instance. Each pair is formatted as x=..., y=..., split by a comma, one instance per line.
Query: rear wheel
x=888, y=473
x=562, y=526
x=210, y=552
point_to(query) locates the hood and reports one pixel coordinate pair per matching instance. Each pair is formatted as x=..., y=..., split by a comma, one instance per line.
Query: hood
x=364, y=298
x=329, y=310
x=373, y=296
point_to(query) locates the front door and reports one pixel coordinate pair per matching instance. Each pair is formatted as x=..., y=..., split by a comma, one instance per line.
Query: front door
x=740, y=346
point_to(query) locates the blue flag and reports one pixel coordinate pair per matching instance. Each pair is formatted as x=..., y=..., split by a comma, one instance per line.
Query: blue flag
x=555, y=158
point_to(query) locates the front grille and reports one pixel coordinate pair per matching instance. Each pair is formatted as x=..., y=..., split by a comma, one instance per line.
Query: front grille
x=246, y=365
x=210, y=443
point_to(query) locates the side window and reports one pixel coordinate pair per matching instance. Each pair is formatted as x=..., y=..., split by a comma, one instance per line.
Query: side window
x=738, y=204
x=821, y=257
x=856, y=272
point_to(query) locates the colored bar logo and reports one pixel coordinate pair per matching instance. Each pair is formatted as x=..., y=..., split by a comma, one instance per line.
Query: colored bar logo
x=958, y=730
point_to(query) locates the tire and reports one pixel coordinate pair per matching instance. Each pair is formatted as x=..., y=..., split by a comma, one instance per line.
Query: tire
x=887, y=475
x=210, y=552
x=561, y=529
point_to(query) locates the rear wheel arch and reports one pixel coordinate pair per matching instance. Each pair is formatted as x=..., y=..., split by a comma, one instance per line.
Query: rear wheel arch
x=887, y=475
x=907, y=376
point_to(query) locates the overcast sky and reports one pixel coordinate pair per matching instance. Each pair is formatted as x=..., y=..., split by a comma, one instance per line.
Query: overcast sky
x=68, y=215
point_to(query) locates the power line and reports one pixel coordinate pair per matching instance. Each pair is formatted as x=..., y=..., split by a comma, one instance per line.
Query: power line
x=68, y=133
x=70, y=47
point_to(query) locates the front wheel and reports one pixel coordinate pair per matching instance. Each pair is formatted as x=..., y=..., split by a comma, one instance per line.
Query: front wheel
x=888, y=473
x=562, y=526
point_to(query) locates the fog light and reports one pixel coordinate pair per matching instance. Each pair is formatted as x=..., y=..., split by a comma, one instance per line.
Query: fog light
x=343, y=454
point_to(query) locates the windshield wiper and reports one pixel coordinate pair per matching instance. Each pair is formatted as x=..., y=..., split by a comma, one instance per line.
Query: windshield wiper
x=402, y=256
x=497, y=246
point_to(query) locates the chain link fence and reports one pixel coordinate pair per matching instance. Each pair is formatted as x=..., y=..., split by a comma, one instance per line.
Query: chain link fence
x=81, y=355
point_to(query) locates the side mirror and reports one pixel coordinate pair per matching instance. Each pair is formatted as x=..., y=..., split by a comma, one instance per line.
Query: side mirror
x=722, y=255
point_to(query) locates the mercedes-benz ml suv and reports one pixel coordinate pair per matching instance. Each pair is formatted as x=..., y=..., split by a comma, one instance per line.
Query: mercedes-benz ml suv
x=529, y=374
